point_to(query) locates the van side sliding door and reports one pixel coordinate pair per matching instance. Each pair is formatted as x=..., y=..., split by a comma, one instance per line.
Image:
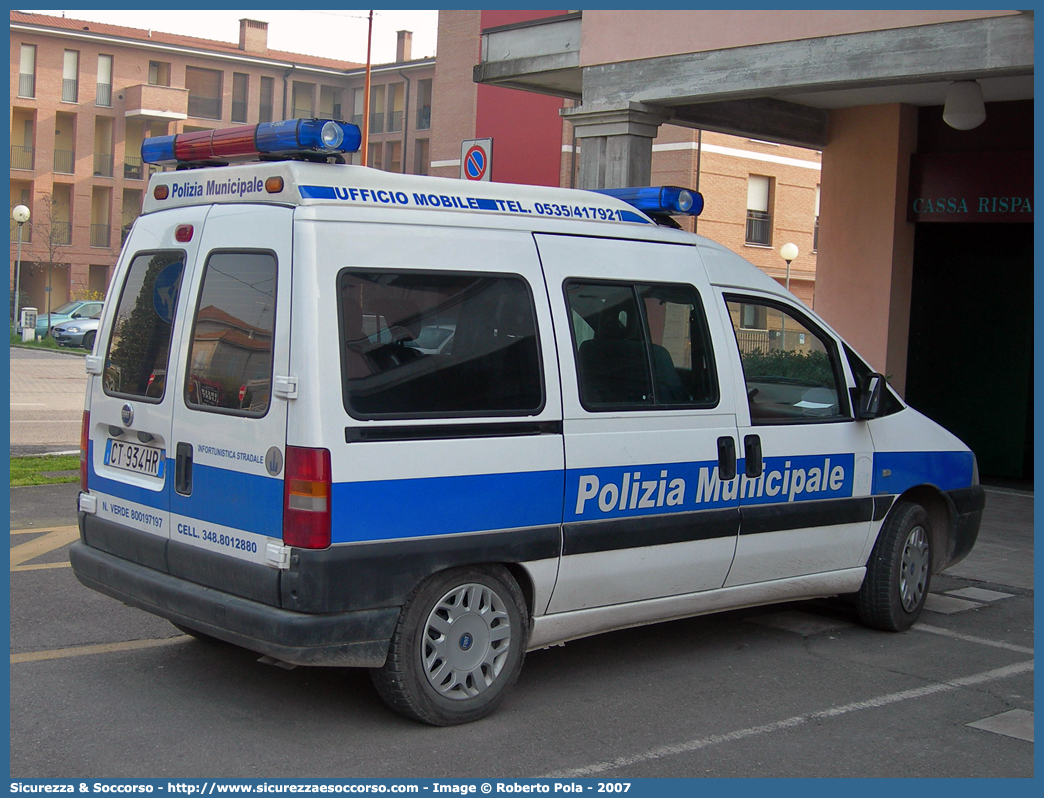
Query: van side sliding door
x=649, y=433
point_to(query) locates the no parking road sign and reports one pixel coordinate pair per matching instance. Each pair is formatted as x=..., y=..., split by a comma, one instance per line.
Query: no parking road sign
x=476, y=159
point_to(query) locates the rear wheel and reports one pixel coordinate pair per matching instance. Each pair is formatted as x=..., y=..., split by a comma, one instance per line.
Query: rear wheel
x=457, y=648
x=899, y=572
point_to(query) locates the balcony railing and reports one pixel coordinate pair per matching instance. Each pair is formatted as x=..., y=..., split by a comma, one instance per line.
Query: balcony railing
x=752, y=341
x=759, y=228
x=21, y=157
x=264, y=113
x=104, y=95
x=70, y=90
x=102, y=164
x=63, y=161
x=395, y=122
x=27, y=233
x=377, y=123
x=356, y=120
x=61, y=233
x=132, y=168
x=26, y=85
x=100, y=235
x=239, y=111
x=204, y=107
x=424, y=117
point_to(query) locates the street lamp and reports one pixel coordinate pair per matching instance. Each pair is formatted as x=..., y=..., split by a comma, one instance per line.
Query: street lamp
x=21, y=215
x=788, y=252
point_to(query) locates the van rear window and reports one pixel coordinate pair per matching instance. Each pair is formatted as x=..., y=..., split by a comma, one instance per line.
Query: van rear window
x=139, y=347
x=423, y=344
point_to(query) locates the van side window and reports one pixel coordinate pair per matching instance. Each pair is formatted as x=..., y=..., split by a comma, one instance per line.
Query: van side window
x=860, y=370
x=424, y=344
x=640, y=346
x=230, y=359
x=136, y=364
x=792, y=372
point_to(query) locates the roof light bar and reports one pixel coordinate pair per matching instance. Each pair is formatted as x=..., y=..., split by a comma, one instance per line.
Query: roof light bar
x=292, y=137
x=659, y=199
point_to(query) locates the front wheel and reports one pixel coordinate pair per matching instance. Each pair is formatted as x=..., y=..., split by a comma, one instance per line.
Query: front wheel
x=457, y=648
x=88, y=341
x=899, y=571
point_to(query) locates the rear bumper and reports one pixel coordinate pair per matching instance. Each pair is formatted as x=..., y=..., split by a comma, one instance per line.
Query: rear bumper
x=346, y=639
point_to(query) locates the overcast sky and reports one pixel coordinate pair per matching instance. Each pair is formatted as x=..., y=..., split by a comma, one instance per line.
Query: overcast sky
x=331, y=34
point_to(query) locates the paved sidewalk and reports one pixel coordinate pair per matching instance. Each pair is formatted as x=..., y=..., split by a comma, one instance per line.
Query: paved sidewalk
x=47, y=393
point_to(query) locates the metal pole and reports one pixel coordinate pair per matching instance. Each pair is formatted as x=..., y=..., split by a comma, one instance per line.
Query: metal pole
x=18, y=276
x=365, y=147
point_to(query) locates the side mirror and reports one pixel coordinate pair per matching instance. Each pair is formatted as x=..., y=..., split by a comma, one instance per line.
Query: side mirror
x=871, y=393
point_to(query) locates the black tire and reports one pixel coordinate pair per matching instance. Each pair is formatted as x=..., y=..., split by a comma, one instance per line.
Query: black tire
x=88, y=341
x=899, y=572
x=459, y=672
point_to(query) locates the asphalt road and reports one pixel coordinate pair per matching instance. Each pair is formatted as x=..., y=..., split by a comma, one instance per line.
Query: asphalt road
x=794, y=690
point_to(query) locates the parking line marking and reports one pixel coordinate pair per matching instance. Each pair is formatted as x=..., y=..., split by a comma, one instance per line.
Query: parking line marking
x=797, y=720
x=104, y=648
x=49, y=541
x=935, y=630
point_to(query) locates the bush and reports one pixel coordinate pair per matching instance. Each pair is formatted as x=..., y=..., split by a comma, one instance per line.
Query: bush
x=812, y=368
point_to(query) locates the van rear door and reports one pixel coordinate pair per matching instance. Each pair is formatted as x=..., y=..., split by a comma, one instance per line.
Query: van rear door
x=229, y=428
x=131, y=405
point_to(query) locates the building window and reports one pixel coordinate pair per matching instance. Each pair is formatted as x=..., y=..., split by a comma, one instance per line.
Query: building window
x=330, y=102
x=159, y=73
x=64, y=143
x=204, y=92
x=103, y=96
x=357, y=107
x=393, y=157
x=759, y=222
x=424, y=105
x=71, y=76
x=267, y=100
x=373, y=157
x=377, y=109
x=420, y=157
x=27, y=71
x=395, y=108
x=815, y=231
x=22, y=152
x=303, y=101
x=240, y=89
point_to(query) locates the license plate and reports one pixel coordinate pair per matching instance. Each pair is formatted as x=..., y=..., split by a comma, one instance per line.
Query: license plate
x=133, y=457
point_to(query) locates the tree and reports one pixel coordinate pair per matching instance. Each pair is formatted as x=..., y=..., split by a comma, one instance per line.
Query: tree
x=50, y=234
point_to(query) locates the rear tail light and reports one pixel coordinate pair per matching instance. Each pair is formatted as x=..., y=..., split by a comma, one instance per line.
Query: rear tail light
x=85, y=430
x=306, y=498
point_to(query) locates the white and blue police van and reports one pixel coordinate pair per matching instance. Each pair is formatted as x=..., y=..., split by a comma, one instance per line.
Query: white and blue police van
x=343, y=417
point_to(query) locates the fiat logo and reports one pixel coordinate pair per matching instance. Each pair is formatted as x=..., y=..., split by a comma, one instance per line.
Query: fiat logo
x=127, y=415
x=465, y=641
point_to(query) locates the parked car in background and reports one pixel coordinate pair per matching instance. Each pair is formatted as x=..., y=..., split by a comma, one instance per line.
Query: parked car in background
x=77, y=332
x=77, y=309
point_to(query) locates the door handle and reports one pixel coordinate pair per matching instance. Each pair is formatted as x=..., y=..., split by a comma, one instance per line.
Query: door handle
x=183, y=470
x=726, y=458
x=752, y=456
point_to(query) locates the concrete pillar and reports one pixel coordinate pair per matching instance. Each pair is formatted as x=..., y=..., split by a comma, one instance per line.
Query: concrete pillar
x=615, y=143
x=864, y=267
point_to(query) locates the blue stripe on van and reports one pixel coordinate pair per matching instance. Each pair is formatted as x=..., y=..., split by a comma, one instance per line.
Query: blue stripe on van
x=231, y=498
x=945, y=470
x=406, y=508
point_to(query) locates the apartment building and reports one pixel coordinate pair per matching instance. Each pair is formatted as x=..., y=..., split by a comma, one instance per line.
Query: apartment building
x=84, y=95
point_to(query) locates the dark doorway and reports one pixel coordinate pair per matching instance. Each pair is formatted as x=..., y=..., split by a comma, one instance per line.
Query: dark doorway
x=971, y=339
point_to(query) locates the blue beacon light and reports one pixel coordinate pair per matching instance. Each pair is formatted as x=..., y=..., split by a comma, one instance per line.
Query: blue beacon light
x=659, y=200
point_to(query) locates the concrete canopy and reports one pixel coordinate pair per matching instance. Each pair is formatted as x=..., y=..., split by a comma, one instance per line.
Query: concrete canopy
x=777, y=91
